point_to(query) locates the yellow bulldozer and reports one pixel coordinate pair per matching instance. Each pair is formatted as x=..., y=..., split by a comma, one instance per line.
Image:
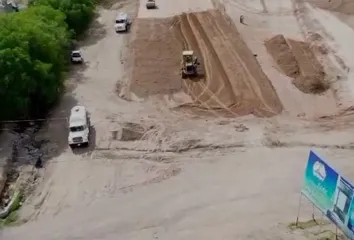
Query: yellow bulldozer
x=189, y=64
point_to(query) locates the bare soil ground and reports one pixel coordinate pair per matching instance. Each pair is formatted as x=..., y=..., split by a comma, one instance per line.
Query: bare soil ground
x=156, y=54
x=342, y=6
x=230, y=77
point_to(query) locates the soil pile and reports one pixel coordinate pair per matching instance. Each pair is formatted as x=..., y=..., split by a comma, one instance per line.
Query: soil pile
x=279, y=49
x=297, y=60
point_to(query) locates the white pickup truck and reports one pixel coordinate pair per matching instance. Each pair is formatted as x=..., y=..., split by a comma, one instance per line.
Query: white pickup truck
x=122, y=23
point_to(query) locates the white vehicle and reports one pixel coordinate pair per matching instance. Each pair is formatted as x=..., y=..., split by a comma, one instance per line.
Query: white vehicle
x=76, y=57
x=150, y=4
x=122, y=23
x=79, y=127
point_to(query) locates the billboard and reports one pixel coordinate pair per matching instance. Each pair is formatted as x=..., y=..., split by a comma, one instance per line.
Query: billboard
x=330, y=193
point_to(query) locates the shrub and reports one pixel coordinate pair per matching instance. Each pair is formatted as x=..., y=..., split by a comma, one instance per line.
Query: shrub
x=33, y=50
x=78, y=12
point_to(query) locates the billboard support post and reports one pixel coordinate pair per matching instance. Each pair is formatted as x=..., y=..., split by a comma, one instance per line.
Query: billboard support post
x=313, y=213
x=298, y=210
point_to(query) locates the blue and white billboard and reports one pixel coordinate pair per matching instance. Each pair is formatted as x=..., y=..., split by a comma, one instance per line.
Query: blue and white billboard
x=330, y=192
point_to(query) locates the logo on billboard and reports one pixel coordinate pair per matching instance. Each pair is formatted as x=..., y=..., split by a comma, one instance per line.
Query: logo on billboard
x=319, y=170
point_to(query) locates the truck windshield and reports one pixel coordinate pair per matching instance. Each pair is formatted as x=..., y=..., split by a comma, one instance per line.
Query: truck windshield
x=120, y=21
x=76, y=54
x=77, y=129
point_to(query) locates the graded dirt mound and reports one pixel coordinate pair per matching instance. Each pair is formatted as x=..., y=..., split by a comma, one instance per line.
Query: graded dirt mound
x=279, y=49
x=231, y=80
x=297, y=60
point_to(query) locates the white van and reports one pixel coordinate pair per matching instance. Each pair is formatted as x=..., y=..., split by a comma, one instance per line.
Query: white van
x=122, y=23
x=79, y=127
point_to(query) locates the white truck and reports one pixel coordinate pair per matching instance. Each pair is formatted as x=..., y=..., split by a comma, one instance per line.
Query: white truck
x=76, y=57
x=122, y=23
x=79, y=127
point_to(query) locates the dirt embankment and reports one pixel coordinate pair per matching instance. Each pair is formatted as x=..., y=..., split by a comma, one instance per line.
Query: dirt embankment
x=342, y=6
x=231, y=80
x=297, y=61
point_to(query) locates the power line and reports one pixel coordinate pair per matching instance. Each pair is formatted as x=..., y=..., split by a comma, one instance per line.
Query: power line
x=35, y=120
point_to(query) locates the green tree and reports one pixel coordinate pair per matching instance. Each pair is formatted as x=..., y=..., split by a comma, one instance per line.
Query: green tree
x=78, y=12
x=33, y=53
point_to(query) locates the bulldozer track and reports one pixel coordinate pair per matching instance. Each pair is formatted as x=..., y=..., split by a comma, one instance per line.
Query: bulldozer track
x=199, y=29
x=187, y=26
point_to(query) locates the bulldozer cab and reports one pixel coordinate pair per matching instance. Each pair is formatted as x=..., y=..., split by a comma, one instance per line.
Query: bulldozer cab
x=188, y=57
x=189, y=64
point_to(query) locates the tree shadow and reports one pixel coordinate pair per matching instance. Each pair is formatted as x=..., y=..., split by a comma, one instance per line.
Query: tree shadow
x=54, y=134
x=94, y=33
x=76, y=76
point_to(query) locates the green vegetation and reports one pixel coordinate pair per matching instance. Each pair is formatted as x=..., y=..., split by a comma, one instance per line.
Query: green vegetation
x=78, y=13
x=34, y=46
x=12, y=218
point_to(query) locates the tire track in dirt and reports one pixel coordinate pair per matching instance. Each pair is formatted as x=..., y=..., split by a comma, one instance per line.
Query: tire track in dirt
x=191, y=43
x=208, y=89
x=186, y=32
x=217, y=72
x=183, y=32
x=243, y=72
x=217, y=93
x=215, y=65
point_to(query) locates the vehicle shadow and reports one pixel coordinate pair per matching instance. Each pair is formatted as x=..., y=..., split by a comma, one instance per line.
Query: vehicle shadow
x=197, y=78
x=154, y=8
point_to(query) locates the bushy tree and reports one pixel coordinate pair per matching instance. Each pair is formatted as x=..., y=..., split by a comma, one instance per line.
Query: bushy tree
x=78, y=12
x=33, y=53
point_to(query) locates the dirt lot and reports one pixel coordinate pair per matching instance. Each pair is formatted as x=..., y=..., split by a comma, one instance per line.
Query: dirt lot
x=231, y=78
x=168, y=175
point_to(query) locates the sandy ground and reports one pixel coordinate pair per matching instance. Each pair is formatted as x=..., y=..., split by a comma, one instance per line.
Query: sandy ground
x=189, y=176
x=229, y=80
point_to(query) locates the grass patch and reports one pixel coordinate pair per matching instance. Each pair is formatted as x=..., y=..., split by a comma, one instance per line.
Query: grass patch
x=10, y=220
x=303, y=225
x=13, y=217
